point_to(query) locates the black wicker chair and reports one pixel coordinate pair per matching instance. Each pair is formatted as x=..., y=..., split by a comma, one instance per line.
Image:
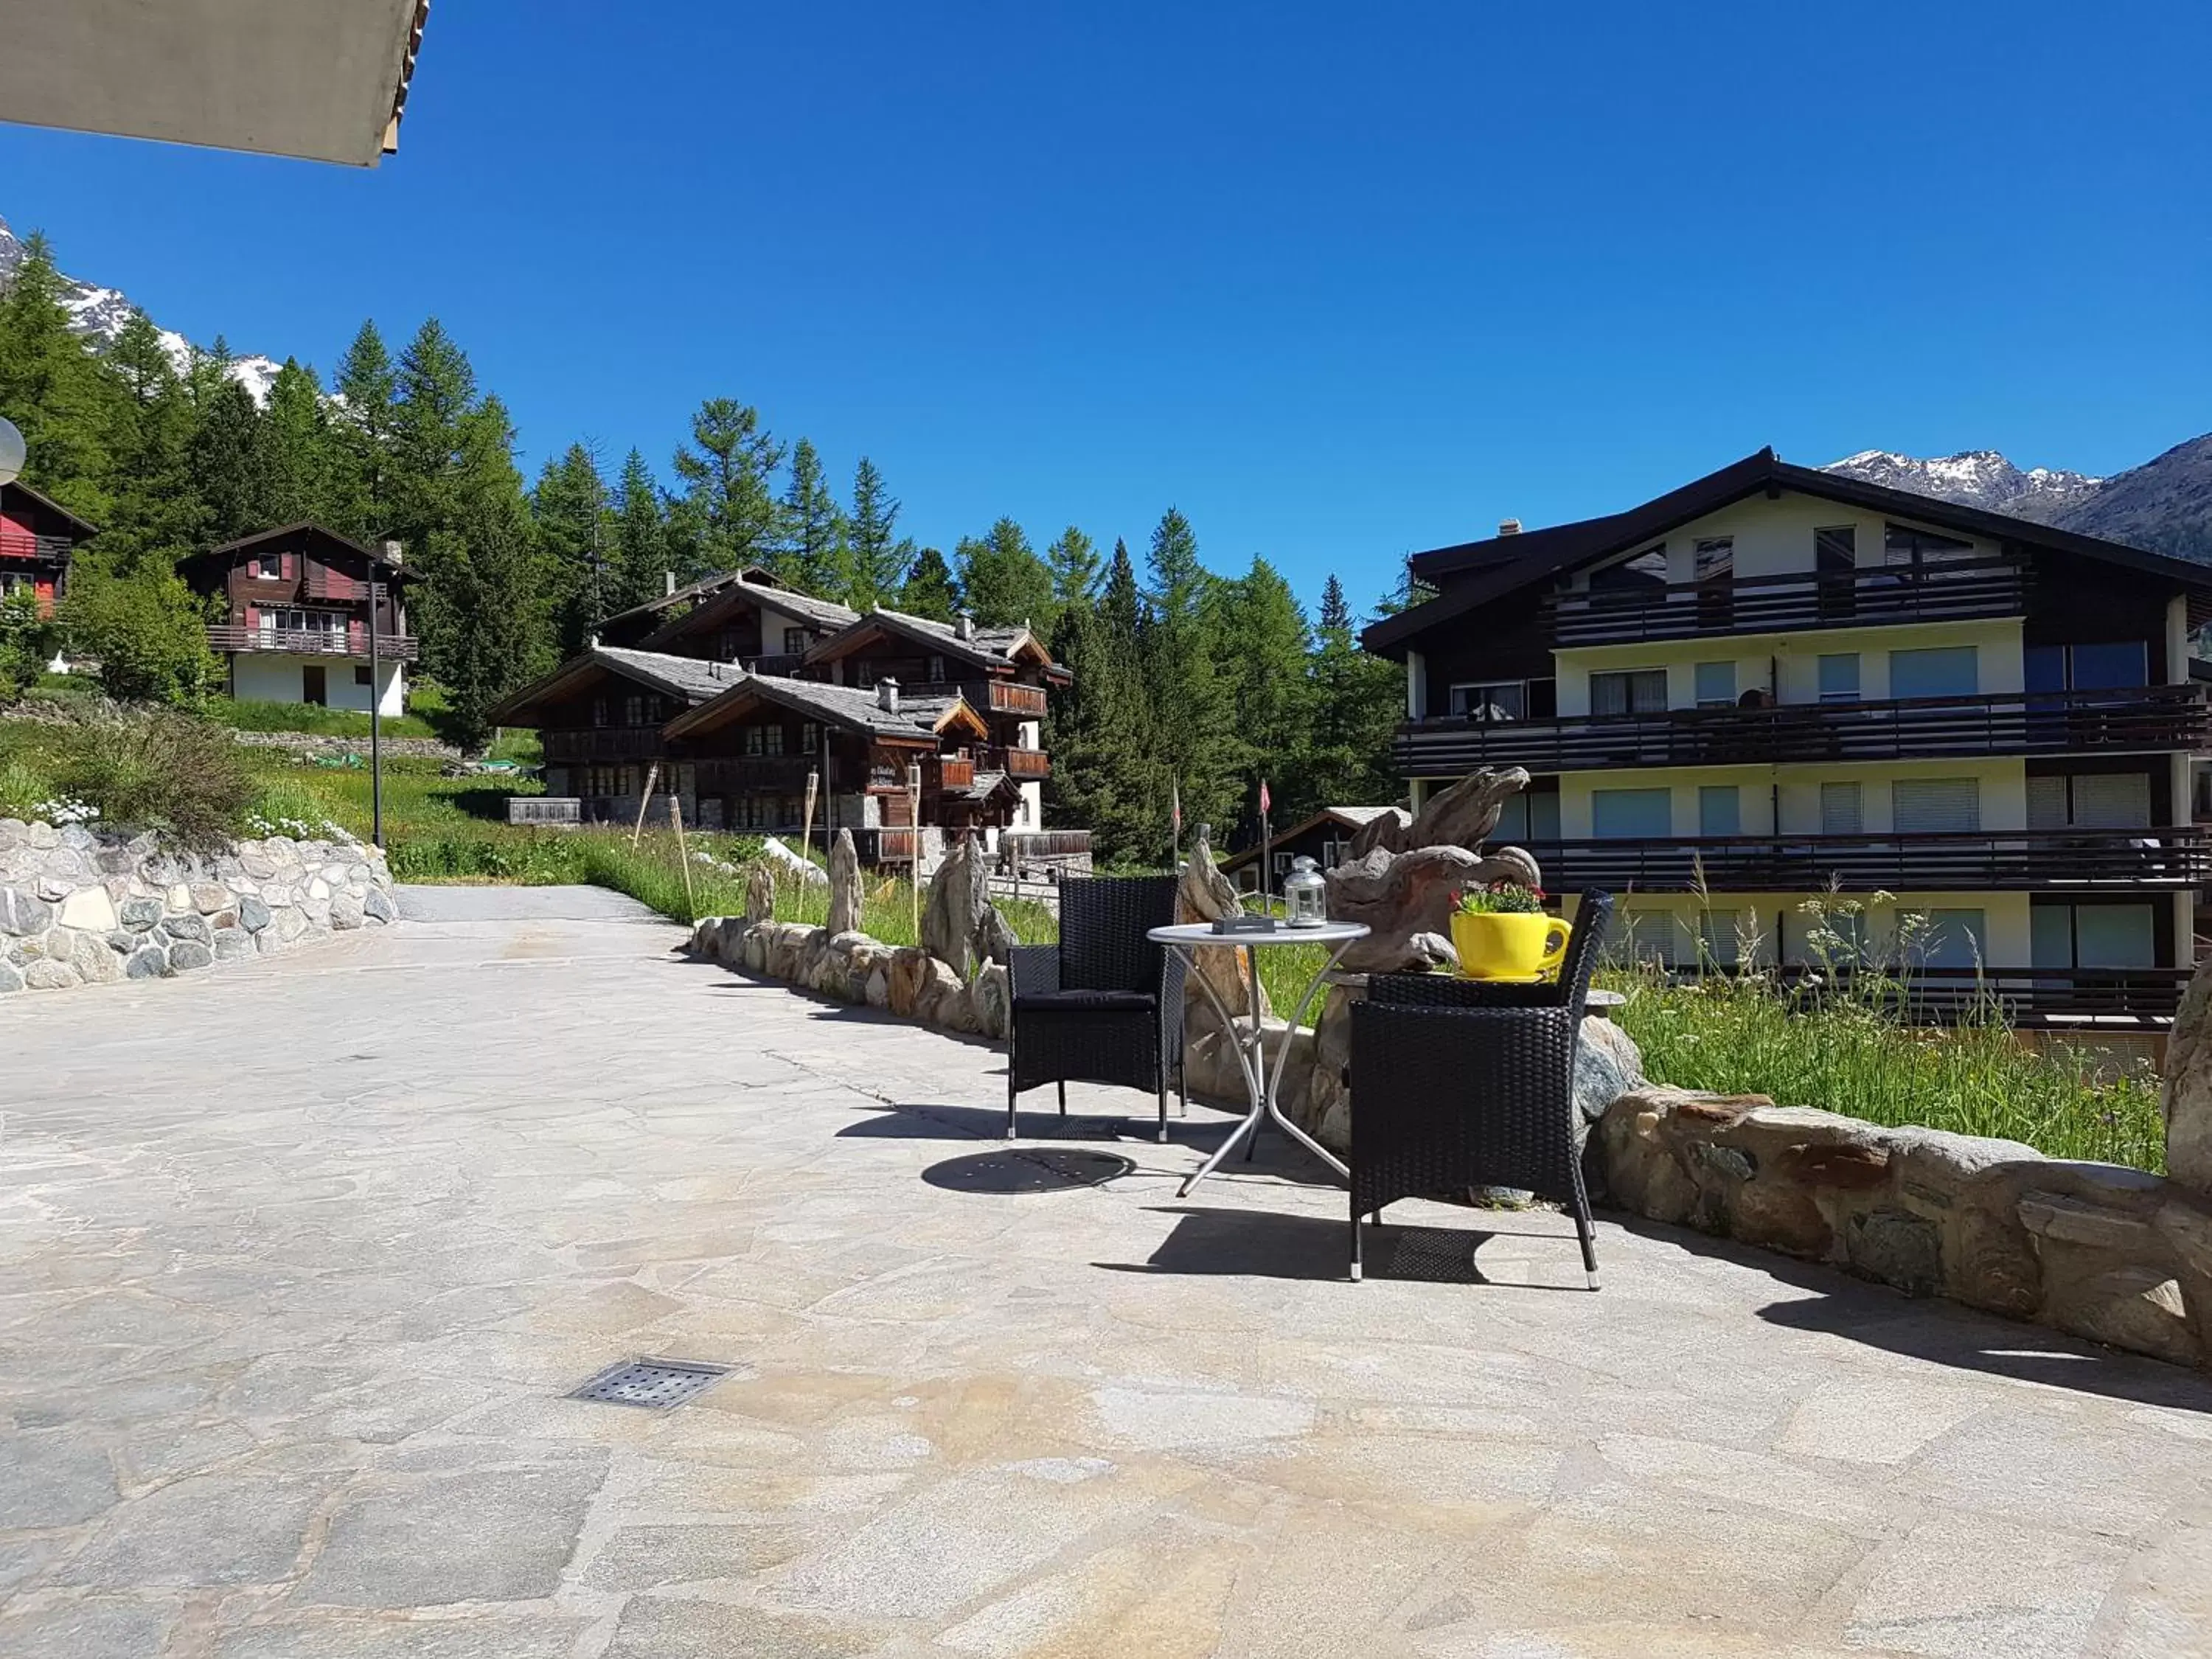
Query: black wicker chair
x=1105, y=1003
x=1458, y=1084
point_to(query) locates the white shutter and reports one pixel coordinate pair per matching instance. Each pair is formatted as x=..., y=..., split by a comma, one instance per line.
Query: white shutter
x=1840, y=809
x=2112, y=800
x=2046, y=804
x=1927, y=807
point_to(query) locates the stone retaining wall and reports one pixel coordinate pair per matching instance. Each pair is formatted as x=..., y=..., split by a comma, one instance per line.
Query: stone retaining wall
x=79, y=907
x=853, y=968
x=2114, y=1254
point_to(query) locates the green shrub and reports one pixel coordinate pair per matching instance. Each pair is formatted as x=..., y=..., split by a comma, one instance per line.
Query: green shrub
x=163, y=770
x=148, y=632
x=26, y=642
x=22, y=789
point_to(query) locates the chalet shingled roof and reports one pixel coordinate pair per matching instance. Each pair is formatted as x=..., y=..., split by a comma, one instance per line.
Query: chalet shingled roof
x=985, y=648
x=920, y=715
x=314, y=533
x=1496, y=565
x=688, y=678
x=754, y=580
x=17, y=487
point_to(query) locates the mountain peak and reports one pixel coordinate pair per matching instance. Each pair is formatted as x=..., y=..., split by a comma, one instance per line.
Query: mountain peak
x=99, y=314
x=1974, y=477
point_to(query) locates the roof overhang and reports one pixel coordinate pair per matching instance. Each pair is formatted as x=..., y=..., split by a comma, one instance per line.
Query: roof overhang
x=579, y=674
x=84, y=531
x=319, y=79
x=1549, y=554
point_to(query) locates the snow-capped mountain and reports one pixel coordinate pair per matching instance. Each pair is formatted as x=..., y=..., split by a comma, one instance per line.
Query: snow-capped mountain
x=1975, y=477
x=100, y=313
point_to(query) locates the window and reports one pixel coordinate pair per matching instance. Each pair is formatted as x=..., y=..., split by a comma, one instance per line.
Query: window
x=2094, y=935
x=314, y=684
x=1836, y=550
x=1954, y=939
x=1720, y=810
x=1839, y=677
x=1646, y=569
x=2119, y=664
x=1531, y=815
x=1713, y=558
x=1716, y=683
x=756, y=740
x=1837, y=938
x=269, y=569
x=360, y=675
x=1648, y=936
x=794, y=642
x=1901, y=544
x=1925, y=807
x=633, y=710
x=809, y=738
x=1949, y=671
x=598, y=711
x=936, y=669
x=1492, y=700
x=1722, y=935
x=1840, y=810
x=774, y=736
x=1631, y=814
x=2091, y=801
x=1638, y=691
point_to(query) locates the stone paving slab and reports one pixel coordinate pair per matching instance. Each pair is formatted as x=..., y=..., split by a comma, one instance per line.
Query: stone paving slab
x=298, y=1263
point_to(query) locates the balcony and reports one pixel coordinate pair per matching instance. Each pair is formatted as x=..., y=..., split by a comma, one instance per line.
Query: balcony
x=2122, y=997
x=1878, y=597
x=1006, y=697
x=2167, y=858
x=312, y=641
x=948, y=772
x=784, y=773
x=324, y=583
x=604, y=742
x=2142, y=719
x=1024, y=765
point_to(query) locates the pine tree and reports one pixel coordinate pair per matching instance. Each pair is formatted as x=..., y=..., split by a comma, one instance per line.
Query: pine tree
x=1106, y=774
x=1262, y=643
x=1357, y=703
x=1075, y=568
x=813, y=525
x=54, y=388
x=435, y=391
x=641, y=555
x=1193, y=714
x=156, y=515
x=930, y=589
x=362, y=435
x=294, y=458
x=483, y=627
x=727, y=517
x=227, y=464
x=1003, y=581
x=576, y=534
x=873, y=564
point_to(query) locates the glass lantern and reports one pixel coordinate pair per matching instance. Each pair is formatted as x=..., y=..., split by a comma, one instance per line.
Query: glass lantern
x=1305, y=895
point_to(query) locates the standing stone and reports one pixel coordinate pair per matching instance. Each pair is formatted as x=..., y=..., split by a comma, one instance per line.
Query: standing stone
x=760, y=895
x=2187, y=1100
x=844, y=885
x=959, y=900
x=1203, y=895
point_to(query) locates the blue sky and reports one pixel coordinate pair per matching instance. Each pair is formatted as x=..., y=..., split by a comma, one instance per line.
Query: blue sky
x=1340, y=282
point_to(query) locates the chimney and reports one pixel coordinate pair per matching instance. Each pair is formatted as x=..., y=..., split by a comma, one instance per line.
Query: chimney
x=963, y=626
x=394, y=552
x=667, y=582
x=1509, y=527
x=887, y=695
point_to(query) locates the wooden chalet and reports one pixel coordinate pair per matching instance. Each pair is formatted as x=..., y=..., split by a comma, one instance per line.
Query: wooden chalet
x=744, y=617
x=37, y=537
x=1325, y=838
x=746, y=756
x=600, y=716
x=295, y=625
x=1004, y=674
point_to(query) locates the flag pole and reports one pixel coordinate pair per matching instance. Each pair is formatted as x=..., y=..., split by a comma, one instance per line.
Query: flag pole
x=1266, y=856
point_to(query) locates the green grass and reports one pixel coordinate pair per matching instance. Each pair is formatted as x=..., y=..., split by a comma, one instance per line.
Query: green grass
x=308, y=717
x=1744, y=1036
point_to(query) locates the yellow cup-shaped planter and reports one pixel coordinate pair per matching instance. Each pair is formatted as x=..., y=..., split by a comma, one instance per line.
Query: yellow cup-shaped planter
x=1525, y=945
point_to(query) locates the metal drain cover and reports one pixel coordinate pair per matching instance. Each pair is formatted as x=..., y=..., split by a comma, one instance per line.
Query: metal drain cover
x=658, y=1383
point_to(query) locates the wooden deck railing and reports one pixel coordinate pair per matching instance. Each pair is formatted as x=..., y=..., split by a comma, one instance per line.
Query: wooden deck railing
x=1877, y=596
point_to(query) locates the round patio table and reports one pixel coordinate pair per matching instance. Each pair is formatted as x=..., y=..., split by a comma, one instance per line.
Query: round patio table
x=1260, y=1080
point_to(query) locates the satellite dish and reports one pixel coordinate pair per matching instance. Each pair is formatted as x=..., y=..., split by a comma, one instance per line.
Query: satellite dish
x=12, y=451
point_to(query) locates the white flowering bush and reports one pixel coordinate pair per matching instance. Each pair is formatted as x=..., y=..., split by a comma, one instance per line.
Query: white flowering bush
x=65, y=811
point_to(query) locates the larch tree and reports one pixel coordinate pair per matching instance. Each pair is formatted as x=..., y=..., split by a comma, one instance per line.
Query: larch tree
x=576, y=537
x=295, y=457
x=813, y=529
x=1193, y=713
x=930, y=589
x=1076, y=568
x=366, y=389
x=54, y=388
x=641, y=555
x=727, y=517
x=1003, y=581
x=875, y=561
x=1357, y=700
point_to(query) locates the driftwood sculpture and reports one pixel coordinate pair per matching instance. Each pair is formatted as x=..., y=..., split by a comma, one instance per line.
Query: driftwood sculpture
x=1403, y=873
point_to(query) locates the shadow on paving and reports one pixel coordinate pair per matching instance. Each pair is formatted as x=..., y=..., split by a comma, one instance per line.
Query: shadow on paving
x=1257, y=1245
x=1027, y=1170
x=1942, y=1333
x=939, y=1120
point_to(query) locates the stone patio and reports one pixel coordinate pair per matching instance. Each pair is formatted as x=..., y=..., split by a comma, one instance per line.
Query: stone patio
x=301, y=1256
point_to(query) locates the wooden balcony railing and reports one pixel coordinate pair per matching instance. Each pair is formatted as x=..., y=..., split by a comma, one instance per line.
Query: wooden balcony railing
x=19, y=543
x=1880, y=596
x=2139, y=719
x=312, y=641
x=735, y=774
x=1040, y=844
x=949, y=772
x=1007, y=697
x=2166, y=859
x=324, y=583
x=1021, y=764
x=558, y=810
x=2027, y=996
x=604, y=742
